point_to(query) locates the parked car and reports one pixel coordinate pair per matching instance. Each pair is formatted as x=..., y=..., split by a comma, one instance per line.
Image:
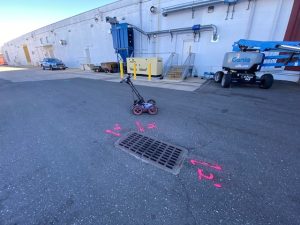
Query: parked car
x=52, y=63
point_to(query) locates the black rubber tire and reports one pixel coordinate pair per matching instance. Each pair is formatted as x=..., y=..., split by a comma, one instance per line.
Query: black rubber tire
x=137, y=110
x=153, y=110
x=226, y=80
x=266, y=81
x=218, y=76
x=151, y=101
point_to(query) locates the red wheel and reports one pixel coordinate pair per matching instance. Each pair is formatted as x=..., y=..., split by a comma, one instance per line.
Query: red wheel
x=137, y=110
x=153, y=110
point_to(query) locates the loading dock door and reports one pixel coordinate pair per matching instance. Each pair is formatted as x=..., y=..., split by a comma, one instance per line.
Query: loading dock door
x=7, y=56
x=48, y=51
x=87, y=56
x=27, y=55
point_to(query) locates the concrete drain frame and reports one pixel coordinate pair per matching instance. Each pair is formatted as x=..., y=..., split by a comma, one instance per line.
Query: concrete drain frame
x=161, y=154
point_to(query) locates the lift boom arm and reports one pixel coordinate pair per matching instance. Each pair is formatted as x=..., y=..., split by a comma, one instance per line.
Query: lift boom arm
x=288, y=51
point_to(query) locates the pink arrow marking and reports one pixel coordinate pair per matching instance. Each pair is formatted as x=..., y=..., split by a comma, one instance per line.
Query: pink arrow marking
x=202, y=175
x=218, y=185
x=113, y=133
x=151, y=125
x=216, y=166
x=117, y=127
x=139, y=126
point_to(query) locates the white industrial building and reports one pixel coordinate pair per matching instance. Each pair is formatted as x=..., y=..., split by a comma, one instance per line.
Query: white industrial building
x=86, y=38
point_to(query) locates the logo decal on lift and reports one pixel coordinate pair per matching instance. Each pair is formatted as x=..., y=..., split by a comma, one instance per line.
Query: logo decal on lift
x=240, y=60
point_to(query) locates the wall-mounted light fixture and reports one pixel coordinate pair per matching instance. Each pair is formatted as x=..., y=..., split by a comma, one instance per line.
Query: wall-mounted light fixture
x=153, y=9
x=63, y=42
x=210, y=9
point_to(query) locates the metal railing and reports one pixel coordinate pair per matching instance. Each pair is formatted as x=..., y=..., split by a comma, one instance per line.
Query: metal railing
x=171, y=61
x=187, y=67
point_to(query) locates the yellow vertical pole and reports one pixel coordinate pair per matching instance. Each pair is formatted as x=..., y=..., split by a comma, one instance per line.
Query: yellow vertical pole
x=134, y=71
x=149, y=71
x=121, y=70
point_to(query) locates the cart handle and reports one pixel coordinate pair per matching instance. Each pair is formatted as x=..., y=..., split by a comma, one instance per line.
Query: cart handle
x=126, y=79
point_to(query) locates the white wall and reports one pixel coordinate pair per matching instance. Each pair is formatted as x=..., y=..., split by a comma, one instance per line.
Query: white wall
x=264, y=20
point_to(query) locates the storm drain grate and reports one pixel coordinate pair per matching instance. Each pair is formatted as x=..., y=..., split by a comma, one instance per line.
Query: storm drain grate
x=161, y=154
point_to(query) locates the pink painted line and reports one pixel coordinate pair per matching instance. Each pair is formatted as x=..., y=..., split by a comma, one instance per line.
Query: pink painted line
x=151, y=125
x=117, y=127
x=139, y=126
x=113, y=133
x=202, y=175
x=218, y=185
x=216, y=166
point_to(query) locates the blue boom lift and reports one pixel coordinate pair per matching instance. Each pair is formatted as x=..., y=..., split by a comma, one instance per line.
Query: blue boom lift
x=248, y=57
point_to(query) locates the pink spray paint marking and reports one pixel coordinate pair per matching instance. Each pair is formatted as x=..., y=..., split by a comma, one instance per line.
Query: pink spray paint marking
x=139, y=126
x=113, y=133
x=117, y=127
x=216, y=166
x=202, y=175
x=218, y=185
x=151, y=125
x=209, y=176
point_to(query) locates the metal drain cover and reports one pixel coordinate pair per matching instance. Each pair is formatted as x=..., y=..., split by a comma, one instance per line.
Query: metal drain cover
x=158, y=153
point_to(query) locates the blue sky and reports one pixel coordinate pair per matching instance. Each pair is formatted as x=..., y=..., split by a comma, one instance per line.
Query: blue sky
x=18, y=17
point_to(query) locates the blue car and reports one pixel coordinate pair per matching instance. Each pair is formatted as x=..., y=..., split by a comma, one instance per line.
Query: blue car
x=52, y=64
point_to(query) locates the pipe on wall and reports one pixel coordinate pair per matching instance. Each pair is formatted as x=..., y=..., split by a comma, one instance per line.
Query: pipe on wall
x=250, y=20
x=193, y=5
x=176, y=30
x=276, y=19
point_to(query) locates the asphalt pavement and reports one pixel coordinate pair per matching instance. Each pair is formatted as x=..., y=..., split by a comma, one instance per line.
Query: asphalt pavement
x=59, y=165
